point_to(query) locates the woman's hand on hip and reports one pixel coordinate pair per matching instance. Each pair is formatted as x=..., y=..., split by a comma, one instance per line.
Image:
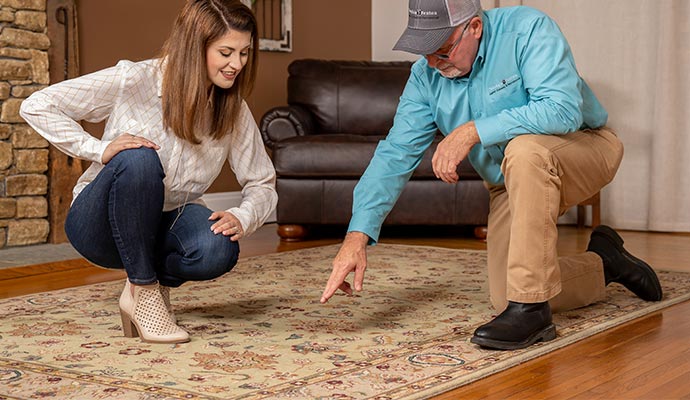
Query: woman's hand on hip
x=124, y=142
x=227, y=224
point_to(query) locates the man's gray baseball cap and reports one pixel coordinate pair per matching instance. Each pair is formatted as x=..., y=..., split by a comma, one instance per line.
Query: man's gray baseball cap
x=431, y=22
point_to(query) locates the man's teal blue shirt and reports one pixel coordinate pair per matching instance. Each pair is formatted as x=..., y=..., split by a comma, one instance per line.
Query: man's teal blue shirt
x=523, y=81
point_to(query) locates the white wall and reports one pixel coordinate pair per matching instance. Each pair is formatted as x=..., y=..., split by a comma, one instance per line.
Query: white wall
x=388, y=21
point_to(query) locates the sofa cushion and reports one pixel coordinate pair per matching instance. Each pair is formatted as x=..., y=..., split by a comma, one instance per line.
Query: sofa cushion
x=422, y=202
x=358, y=97
x=343, y=156
x=333, y=155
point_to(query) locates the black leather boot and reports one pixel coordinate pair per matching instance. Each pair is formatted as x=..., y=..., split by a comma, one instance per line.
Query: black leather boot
x=520, y=325
x=622, y=267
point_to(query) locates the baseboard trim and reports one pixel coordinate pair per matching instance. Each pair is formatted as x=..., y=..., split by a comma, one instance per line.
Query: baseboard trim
x=225, y=200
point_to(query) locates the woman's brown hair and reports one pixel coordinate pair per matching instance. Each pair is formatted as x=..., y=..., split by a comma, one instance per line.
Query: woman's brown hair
x=186, y=101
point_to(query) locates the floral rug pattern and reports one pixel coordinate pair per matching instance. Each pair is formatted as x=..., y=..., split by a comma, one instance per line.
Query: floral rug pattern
x=260, y=332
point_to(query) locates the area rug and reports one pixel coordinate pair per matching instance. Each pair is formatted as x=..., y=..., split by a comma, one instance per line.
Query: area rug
x=260, y=332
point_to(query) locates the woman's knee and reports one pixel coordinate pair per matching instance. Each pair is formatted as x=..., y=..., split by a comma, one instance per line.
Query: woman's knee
x=217, y=257
x=142, y=162
x=104, y=255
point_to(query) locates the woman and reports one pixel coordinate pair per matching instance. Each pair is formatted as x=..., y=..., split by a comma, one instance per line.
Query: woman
x=171, y=124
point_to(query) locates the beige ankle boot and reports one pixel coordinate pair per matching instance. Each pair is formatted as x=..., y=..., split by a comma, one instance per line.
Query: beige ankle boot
x=144, y=314
x=165, y=294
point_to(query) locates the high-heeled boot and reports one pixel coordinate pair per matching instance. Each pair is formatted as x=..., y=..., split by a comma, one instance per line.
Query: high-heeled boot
x=144, y=314
x=165, y=293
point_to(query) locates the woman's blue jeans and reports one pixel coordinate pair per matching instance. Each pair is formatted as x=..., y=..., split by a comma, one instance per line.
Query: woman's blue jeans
x=117, y=222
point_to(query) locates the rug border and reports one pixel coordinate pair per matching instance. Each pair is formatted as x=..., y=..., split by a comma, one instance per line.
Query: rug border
x=131, y=385
x=547, y=348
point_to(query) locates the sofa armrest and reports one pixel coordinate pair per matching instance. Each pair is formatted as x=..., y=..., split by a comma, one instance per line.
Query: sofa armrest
x=283, y=122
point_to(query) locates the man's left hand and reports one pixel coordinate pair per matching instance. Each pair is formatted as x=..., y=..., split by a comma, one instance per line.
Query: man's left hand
x=452, y=150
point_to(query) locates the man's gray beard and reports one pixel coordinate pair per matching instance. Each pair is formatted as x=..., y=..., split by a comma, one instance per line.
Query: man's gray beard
x=453, y=73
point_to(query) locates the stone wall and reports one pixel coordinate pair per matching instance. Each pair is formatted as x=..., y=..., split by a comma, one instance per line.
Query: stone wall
x=24, y=47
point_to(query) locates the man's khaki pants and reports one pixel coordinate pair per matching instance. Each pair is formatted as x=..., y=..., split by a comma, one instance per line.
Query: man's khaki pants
x=545, y=175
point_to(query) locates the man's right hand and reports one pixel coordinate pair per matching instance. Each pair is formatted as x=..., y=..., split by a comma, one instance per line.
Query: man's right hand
x=352, y=256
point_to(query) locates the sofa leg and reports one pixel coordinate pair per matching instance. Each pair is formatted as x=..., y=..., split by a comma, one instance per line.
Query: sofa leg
x=480, y=232
x=292, y=233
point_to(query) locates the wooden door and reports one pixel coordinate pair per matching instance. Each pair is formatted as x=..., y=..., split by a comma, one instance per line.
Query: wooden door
x=63, y=58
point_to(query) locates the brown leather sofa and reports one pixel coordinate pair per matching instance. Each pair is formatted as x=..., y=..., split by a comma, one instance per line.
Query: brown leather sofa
x=322, y=142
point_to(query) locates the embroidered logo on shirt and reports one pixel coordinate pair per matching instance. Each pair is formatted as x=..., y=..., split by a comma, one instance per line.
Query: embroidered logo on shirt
x=503, y=84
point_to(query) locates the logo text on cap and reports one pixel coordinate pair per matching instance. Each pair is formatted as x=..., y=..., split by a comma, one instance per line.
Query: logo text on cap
x=419, y=13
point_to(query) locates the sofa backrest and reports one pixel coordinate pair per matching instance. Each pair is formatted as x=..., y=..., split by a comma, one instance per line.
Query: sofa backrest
x=356, y=97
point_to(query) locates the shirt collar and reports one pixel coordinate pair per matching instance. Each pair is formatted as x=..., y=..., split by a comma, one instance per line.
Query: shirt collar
x=483, y=44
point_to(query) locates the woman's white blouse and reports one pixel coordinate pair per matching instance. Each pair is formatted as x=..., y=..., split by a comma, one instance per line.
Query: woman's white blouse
x=128, y=96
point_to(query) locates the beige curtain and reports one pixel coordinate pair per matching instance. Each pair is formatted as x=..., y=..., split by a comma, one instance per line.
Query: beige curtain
x=669, y=189
x=635, y=54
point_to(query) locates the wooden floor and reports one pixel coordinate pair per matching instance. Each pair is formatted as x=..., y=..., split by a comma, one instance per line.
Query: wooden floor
x=648, y=358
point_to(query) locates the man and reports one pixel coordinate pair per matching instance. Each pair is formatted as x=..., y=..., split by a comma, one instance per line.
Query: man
x=502, y=87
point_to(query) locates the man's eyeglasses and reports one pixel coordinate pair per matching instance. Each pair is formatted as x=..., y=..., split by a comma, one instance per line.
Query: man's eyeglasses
x=449, y=52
